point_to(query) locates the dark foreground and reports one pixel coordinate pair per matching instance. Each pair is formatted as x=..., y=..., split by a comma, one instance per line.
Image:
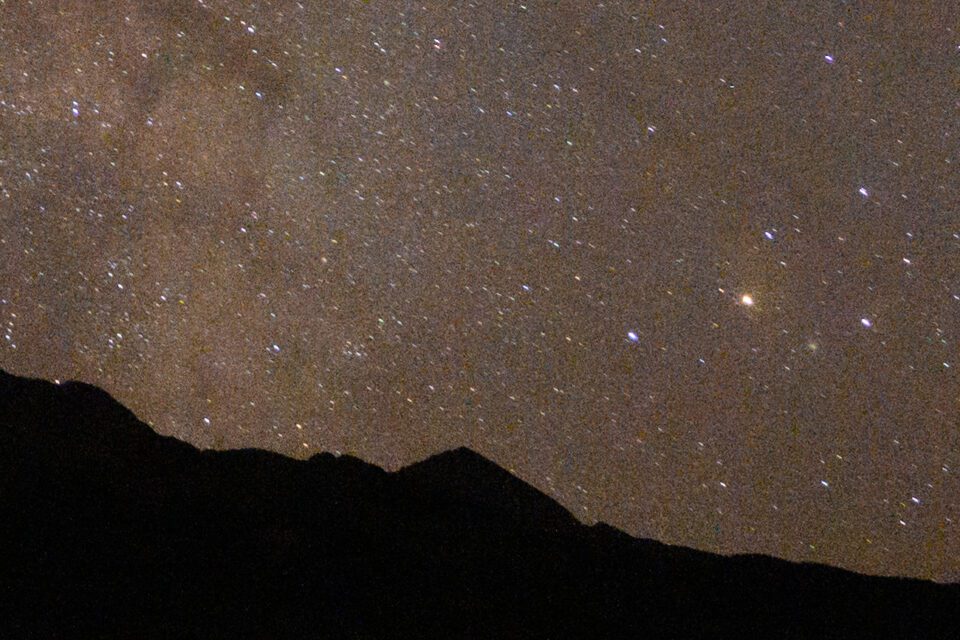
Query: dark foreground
x=108, y=530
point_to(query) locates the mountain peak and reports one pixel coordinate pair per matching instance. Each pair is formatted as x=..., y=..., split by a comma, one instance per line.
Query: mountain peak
x=460, y=457
x=463, y=479
x=127, y=533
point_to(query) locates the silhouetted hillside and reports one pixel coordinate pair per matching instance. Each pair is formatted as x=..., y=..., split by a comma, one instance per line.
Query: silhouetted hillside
x=108, y=530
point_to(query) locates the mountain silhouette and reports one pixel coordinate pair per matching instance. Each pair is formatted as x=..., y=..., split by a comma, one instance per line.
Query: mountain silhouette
x=109, y=530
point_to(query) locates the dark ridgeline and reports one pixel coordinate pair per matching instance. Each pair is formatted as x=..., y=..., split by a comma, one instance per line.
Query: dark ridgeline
x=108, y=530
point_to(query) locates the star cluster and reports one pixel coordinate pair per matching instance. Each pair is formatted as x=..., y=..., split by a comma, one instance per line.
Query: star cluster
x=690, y=268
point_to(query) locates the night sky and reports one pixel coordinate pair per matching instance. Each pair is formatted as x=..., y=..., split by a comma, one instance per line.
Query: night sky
x=690, y=268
